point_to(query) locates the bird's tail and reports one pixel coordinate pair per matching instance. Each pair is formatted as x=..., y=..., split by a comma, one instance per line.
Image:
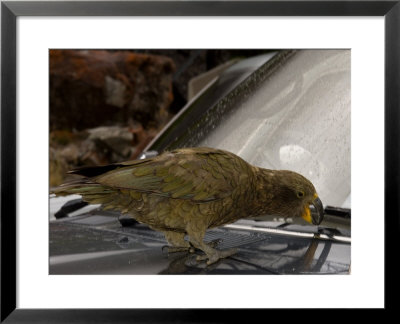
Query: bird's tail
x=91, y=192
x=78, y=186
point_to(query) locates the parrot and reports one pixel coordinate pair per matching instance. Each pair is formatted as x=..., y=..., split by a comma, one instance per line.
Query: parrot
x=186, y=191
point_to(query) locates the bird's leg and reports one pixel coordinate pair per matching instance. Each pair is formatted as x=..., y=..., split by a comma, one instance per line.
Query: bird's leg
x=177, y=243
x=211, y=255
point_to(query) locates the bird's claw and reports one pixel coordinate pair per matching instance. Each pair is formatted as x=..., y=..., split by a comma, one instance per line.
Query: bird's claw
x=205, y=257
x=217, y=255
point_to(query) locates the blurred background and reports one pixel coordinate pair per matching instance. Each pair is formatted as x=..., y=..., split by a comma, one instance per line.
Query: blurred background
x=107, y=105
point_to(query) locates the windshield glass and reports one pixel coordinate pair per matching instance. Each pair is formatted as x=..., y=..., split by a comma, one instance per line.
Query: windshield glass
x=297, y=119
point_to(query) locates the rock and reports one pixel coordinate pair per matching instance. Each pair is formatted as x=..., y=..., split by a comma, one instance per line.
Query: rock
x=90, y=88
x=58, y=167
x=95, y=146
x=115, y=92
x=116, y=140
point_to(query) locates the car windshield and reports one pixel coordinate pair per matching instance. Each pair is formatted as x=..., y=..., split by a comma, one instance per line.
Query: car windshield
x=297, y=118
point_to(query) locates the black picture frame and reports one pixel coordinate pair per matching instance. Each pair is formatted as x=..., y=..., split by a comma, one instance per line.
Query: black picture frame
x=10, y=10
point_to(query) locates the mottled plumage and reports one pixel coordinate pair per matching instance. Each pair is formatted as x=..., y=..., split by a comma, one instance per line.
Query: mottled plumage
x=187, y=191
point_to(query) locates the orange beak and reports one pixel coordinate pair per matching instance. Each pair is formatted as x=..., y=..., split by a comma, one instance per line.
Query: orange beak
x=317, y=217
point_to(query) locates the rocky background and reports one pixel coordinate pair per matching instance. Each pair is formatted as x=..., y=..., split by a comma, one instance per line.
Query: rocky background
x=107, y=105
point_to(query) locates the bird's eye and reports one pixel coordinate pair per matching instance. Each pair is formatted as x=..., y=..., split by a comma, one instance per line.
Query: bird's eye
x=300, y=194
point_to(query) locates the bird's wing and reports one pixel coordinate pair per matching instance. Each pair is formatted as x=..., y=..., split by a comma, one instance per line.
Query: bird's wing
x=200, y=175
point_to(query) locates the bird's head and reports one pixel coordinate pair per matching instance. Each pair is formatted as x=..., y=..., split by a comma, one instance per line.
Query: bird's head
x=291, y=195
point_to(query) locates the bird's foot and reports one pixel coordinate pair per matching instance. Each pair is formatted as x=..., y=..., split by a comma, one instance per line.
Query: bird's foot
x=216, y=255
x=174, y=249
x=212, y=244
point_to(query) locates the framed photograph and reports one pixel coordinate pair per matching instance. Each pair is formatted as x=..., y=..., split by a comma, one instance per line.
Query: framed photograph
x=310, y=87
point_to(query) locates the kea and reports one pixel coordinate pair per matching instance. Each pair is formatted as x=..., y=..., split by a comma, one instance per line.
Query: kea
x=187, y=191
